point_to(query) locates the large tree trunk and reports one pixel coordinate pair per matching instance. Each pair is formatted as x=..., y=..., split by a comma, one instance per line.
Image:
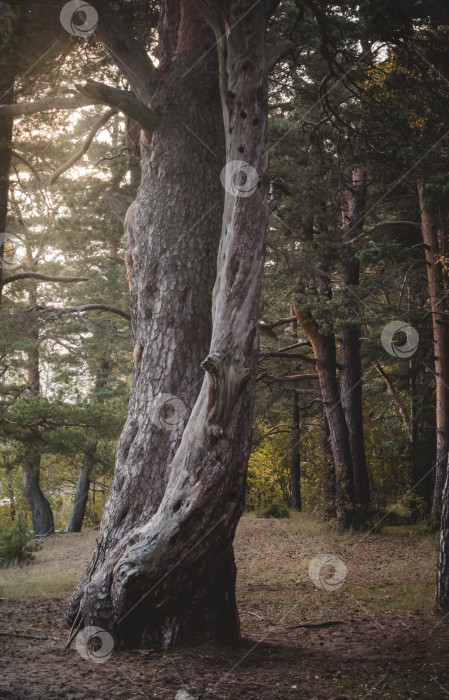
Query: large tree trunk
x=434, y=240
x=325, y=352
x=138, y=590
x=351, y=372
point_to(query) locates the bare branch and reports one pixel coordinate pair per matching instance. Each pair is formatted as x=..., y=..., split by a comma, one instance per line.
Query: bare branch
x=100, y=122
x=47, y=105
x=85, y=307
x=286, y=355
x=42, y=278
x=397, y=400
x=291, y=378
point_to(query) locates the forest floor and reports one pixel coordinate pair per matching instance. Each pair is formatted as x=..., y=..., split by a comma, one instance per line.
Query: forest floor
x=390, y=644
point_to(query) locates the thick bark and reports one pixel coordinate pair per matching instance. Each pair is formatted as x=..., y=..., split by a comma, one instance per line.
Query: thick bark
x=325, y=352
x=434, y=239
x=171, y=256
x=351, y=371
x=147, y=596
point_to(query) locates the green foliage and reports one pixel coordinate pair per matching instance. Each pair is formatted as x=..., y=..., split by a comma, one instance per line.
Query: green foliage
x=14, y=547
x=269, y=472
x=273, y=509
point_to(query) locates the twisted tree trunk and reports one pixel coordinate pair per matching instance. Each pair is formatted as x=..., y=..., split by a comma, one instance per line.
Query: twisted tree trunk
x=161, y=577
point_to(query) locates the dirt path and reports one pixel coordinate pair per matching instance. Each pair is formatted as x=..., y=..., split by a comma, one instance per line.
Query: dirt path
x=390, y=645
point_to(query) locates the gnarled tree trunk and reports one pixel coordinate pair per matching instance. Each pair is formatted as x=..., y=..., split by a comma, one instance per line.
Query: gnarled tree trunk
x=172, y=576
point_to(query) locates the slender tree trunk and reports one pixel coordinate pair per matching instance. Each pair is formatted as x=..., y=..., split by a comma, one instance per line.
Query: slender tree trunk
x=137, y=589
x=40, y=509
x=433, y=238
x=82, y=491
x=351, y=372
x=325, y=352
x=295, y=453
x=327, y=473
x=12, y=502
x=84, y=477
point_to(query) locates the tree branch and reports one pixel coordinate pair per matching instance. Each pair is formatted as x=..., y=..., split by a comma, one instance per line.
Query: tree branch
x=85, y=307
x=274, y=54
x=101, y=121
x=124, y=101
x=42, y=278
x=397, y=400
x=291, y=378
x=47, y=105
x=286, y=355
x=267, y=326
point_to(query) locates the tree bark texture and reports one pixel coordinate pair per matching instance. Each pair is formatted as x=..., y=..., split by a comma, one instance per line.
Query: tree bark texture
x=170, y=574
x=328, y=496
x=295, y=456
x=434, y=239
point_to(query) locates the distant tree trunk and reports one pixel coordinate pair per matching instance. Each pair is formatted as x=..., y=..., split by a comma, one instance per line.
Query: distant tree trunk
x=84, y=477
x=82, y=491
x=351, y=371
x=137, y=589
x=327, y=472
x=40, y=509
x=325, y=352
x=12, y=502
x=295, y=453
x=434, y=236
